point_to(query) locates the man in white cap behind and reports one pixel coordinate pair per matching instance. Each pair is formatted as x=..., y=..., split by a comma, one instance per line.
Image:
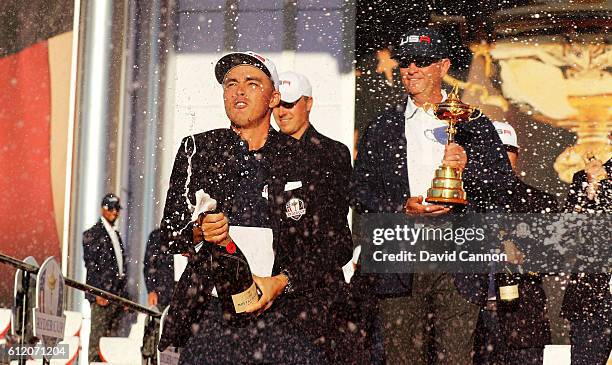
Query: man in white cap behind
x=505, y=335
x=332, y=158
x=293, y=114
x=327, y=171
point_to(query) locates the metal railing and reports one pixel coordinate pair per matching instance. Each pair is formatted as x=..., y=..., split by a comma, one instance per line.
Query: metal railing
x=33, y=270
x=82, y=286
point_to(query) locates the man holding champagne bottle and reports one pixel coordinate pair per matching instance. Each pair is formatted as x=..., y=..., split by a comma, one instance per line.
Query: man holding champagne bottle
x=252, y=173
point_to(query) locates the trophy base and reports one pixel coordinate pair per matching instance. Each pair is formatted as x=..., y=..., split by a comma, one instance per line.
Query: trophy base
x=446, y=201
x=447, y=188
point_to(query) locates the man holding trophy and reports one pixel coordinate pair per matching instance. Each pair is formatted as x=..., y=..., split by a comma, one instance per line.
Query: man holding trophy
x=417, y=163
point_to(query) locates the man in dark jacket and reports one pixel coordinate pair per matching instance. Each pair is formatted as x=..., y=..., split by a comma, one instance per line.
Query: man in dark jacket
x=326, y=169
x=253, y=173
x=588, y=299
x=158, y=271
x=516, y=334
x=331, y=158
x=397, y=156
x=104, y=257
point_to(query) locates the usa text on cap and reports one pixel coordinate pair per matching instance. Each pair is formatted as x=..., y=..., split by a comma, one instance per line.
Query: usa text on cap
x=425, y=42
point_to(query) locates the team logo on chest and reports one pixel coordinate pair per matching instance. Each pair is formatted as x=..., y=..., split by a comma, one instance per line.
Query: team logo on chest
x=295, y=208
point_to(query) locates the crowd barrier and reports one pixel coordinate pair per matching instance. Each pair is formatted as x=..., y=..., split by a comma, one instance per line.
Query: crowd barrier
x=21, y=318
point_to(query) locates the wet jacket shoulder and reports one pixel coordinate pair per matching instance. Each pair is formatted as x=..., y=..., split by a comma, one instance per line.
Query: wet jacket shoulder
x=204, y=161
x=525, y=198
x=333, y=160
x=100, y=261
x=380, y=179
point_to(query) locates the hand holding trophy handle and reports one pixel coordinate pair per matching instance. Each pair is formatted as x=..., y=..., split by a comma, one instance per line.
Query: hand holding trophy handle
x=596, y=173
x=594, y=169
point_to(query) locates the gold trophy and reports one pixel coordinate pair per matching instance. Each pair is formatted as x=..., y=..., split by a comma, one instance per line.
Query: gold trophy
x=447, y=185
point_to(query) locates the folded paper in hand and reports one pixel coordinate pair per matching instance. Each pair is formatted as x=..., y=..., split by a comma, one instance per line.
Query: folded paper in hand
x=348, y=270
x=204, y=203
x=180, y=263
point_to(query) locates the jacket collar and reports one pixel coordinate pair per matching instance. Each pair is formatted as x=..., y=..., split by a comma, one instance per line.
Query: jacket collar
x=274, y=141
x=309, y=133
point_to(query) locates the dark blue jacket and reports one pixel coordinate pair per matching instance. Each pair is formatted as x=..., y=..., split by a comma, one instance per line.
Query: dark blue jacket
x=159, y=268
x=101, y=263
x=588, y=294
x=312, y=247
x=380, y=180
x=527, y=325
x=325, y=169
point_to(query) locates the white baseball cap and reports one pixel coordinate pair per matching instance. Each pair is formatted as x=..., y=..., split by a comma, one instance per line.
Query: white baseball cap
x=231, y=60
x=293, y=86
x=507, y=134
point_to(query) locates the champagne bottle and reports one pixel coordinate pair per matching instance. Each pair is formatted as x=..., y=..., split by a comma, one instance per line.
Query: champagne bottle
x=507, y=284
x=231, y=273
x=233, y=279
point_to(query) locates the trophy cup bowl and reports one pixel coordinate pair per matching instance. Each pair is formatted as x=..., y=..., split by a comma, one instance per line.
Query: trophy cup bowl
x=447, y=185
